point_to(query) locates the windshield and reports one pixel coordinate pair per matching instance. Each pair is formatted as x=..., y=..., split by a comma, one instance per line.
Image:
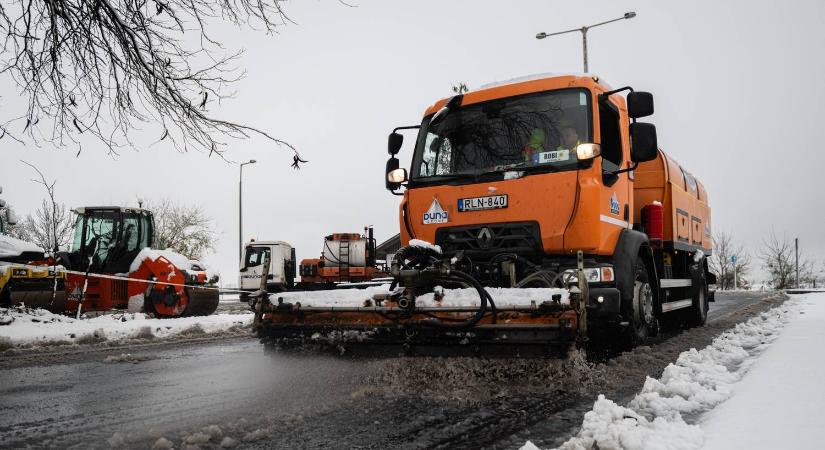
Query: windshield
x=255, y=256
x=99, y=233
x=530, y=131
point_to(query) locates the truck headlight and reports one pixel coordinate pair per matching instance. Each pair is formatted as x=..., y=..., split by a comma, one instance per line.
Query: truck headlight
x=20, y=272
x=588, y=151
x=592, y=275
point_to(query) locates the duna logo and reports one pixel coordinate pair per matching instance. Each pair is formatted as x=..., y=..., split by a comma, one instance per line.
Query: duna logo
x=435, y=214
x=614, y=205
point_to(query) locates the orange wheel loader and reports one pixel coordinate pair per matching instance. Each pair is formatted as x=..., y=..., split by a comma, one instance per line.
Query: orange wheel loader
x=545, y=181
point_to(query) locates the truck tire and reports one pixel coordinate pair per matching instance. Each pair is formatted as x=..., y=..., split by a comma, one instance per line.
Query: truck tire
x=640, y=312
x=698, y=313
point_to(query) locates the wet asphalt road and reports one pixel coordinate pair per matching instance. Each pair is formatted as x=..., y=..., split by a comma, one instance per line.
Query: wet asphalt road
x=260, y=399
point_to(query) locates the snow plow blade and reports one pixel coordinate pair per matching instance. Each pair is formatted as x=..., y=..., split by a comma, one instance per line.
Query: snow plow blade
x=202, y=301
x=431, y=308
x=546, y=330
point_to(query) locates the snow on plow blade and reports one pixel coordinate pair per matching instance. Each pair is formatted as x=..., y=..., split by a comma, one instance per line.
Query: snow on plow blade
x=519, y=322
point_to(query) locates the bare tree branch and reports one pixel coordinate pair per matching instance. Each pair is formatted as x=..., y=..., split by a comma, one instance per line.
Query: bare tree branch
x=183, y=228
x=49, y=215
x=105, y=67
x=779, y=260
x=722, y=265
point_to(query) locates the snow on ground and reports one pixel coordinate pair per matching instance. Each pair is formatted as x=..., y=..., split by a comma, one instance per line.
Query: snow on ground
x=779, y=404
x=663, y=414
x=503, y=297
x=20, y=327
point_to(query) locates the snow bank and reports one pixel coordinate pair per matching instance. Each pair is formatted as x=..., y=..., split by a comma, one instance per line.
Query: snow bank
x=697, y=382
x=11, y=247
x=503, y=297
x=23, y=326
x=779, y=403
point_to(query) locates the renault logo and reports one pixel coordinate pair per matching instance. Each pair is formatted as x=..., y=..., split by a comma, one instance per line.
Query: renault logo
x=484, y=237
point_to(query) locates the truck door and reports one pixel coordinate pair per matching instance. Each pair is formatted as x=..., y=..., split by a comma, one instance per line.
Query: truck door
x=252, y=269
x=615, y=208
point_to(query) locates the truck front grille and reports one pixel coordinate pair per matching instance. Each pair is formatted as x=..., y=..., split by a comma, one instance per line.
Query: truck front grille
x=522, y=238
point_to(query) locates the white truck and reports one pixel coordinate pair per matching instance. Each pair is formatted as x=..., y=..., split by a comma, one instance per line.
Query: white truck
x=282, y=268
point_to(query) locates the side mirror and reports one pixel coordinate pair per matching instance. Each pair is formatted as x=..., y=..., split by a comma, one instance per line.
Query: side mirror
x=643, y=145
x=394, y=175
x=639, y=104
x=394, y=143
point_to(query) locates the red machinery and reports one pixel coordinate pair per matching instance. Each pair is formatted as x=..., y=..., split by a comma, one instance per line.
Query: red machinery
x=347, y=257
x=111, y=257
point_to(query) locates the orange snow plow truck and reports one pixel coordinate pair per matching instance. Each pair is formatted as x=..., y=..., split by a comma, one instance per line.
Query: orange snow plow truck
x=542, y=182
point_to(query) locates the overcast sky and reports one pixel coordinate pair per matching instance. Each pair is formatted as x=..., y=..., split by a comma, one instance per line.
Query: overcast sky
x=737, y=87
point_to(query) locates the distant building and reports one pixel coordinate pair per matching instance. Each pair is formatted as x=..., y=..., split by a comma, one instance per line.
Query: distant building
x=390, y=246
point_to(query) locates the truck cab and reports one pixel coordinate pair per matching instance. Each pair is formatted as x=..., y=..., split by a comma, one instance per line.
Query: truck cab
x=282, y=268
x=517, y=177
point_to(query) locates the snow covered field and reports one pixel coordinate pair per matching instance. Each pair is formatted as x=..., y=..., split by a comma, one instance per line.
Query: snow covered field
x=757, y=386
x=20, y=327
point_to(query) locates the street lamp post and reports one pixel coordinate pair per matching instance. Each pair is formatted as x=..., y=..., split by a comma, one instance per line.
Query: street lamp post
x=240, y=208
x=583, y=30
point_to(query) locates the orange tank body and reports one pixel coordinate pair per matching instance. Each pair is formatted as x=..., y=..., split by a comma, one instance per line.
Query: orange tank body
x=685, y=201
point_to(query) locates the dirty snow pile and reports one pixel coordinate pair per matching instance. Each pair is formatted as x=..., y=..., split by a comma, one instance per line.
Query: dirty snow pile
x=23, y=327
x=503, y=297
x=697, y=382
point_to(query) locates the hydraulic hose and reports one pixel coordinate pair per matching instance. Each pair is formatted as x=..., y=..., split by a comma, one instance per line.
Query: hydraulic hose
x=468, y=323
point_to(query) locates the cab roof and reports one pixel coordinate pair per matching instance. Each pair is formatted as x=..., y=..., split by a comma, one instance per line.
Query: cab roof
x=526, y=84
x=82, y=209
x=262, y=243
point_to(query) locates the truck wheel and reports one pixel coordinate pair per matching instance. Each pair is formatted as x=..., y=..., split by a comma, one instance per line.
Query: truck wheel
x=698, y=313
x=640, y=311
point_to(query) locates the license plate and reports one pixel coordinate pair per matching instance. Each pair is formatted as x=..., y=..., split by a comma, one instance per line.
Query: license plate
x=480, y=203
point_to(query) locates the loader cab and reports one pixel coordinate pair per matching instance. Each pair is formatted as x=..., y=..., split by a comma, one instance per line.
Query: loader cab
x=107, y=239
